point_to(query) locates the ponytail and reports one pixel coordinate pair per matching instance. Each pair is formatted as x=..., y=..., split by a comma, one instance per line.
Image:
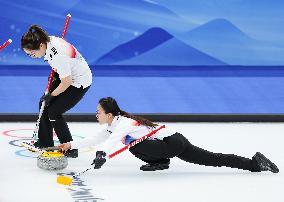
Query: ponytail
x=139, y=119
x=34, y=37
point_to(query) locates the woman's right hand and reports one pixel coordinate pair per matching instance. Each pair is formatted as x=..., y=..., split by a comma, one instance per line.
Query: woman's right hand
x=65, y=146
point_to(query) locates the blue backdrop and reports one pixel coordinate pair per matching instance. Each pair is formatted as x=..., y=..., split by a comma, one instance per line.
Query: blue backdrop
x=155, y=56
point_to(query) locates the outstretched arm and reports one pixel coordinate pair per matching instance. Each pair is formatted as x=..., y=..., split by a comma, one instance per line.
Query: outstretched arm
x=86, y=142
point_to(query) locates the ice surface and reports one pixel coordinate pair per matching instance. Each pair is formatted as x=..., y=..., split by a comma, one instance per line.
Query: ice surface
x=121, y=180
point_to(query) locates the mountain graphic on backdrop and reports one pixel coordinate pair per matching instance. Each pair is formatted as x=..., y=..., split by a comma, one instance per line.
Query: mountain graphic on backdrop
x=106, y=24
x=221, y=30
x=156, y=47
x=222, y=39
x=97, y=27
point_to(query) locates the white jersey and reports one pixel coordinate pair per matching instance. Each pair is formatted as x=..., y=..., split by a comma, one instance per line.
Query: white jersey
x=122, y=129
x=67, y=61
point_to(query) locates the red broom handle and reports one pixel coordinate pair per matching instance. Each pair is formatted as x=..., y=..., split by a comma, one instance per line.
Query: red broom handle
x=4, y=45
x=136, y=141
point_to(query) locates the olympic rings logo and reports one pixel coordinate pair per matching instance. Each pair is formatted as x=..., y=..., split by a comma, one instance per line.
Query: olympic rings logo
x=25, y=135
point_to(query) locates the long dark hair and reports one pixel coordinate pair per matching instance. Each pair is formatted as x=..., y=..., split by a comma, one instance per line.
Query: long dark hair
x=32, y=39
x=110, y=105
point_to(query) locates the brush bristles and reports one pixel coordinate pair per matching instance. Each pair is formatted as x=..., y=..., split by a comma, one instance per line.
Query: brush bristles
x=64, y=180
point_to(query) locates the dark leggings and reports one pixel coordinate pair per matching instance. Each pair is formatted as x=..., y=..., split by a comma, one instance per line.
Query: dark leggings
x=52, y=116
x=176, y=145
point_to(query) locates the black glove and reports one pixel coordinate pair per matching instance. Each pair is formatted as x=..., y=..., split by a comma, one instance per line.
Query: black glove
x=47, y=98
x=99, y=160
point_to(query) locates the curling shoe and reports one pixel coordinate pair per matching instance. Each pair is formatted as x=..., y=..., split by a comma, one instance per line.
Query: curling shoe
x=264, y=163
x=155, y=166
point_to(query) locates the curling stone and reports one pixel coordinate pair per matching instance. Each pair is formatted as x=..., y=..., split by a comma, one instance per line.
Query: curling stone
x=51, y=160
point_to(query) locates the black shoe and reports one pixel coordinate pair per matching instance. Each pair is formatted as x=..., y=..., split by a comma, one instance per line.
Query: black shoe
x=72, y=153
x=155, y=166
x=264, y=163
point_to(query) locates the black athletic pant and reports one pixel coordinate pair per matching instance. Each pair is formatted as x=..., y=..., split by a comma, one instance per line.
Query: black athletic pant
x=52, y=116
x=176, y=145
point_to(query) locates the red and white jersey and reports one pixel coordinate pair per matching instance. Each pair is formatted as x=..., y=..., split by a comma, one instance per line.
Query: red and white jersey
x=67, y=61
x=120, y=128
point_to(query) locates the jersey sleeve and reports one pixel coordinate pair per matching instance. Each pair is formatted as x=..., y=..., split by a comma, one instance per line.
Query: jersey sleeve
x=90, y=141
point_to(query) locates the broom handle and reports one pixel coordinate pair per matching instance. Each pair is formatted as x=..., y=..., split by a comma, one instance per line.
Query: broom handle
x=4, y=45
